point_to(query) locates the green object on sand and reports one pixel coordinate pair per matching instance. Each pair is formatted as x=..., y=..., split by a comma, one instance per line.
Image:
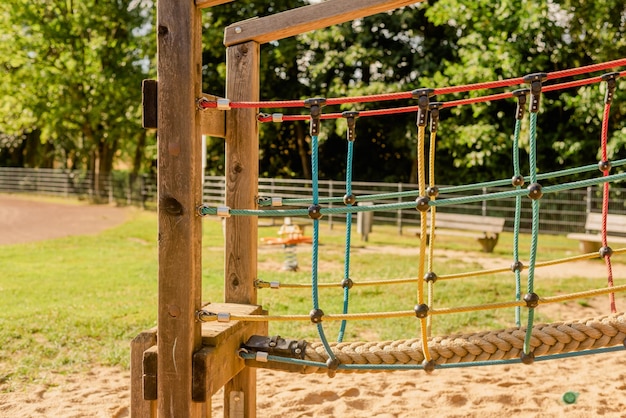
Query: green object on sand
x=570, y=397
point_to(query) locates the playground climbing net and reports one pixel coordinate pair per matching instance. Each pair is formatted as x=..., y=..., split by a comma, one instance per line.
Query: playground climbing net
x=526, y=342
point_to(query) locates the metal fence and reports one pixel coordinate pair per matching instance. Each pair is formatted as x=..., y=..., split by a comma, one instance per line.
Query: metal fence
x=561, y=212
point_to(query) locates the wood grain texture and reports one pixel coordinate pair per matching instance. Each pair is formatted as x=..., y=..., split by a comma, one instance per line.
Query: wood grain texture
x=218, y=362
x=180, y=192
x=140, y=408
x=242, y=174
x=305, y=19
x=210, y=3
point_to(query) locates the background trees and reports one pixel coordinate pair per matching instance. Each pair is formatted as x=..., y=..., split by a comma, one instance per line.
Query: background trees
x=71, y=74
x=71, y=81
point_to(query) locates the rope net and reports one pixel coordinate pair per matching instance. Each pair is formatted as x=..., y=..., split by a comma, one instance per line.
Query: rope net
x=526, y=342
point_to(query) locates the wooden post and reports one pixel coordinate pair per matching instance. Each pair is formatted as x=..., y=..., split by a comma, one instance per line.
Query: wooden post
x=180, y=193
x=242, y=176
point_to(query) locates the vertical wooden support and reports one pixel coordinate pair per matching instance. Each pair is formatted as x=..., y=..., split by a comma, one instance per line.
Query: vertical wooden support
x=242, y=171
x=180, y=192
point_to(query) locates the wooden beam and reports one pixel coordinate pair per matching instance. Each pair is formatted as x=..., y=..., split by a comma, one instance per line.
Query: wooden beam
x=179, y=71
x=139, y=407
x=242, y=175
x=210, y=3
x=217, y=362
x=305, y=19
x=213, y=121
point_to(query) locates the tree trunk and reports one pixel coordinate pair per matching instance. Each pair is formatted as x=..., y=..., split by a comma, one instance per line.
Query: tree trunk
x=303, y=151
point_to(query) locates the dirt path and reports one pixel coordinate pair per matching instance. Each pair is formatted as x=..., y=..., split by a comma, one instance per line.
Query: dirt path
x=24, y=219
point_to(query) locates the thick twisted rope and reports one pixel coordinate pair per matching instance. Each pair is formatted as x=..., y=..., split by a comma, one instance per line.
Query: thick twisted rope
x=547, y=339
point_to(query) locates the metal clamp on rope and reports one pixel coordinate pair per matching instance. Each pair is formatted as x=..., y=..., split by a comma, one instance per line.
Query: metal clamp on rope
x=522, y=98
x=276, y=346
x=277, y=201
x=223, y=211
x=205, y=316
x=611, y=83
x=223, y=104
x=277, y=117
x=423, y=98
x=223, y=317
x=535, y=80
x=351, y=120
x=200, y=210
x=203, y=103
x=315, y=104
x=434, y=115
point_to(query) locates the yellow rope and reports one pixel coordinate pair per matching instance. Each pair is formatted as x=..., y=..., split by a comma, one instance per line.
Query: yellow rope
x=213, y=316
x=462, y=275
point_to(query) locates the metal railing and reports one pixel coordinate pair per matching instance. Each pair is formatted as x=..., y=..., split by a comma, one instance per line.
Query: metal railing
x=561, y=212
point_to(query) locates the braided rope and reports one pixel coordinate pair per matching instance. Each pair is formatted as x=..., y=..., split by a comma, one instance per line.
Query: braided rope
x=547, y=339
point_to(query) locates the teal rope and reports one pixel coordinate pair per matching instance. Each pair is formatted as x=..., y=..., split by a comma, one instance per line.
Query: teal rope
x=346, y=265
x=517, y=221
x=315, y=242
x=532, y=158
x=315, y=246
x=206, y=210
x=451, y=189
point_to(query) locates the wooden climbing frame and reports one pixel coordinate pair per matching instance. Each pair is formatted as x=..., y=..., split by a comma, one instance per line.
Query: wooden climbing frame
x=172, y=364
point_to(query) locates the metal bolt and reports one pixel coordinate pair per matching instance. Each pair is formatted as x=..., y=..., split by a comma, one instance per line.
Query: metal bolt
x=238, y=29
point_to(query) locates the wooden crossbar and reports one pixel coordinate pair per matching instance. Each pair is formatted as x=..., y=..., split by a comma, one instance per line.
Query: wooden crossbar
x=307, y=18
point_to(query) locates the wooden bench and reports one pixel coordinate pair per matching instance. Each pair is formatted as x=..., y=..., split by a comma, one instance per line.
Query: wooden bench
x=591, y=240
x=486, y=229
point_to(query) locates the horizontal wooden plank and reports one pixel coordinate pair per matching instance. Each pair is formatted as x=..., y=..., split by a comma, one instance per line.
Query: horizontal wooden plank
x=305, y=19
x=202, y=4
x=615, y=223
x=597, y=238
x=213, y=333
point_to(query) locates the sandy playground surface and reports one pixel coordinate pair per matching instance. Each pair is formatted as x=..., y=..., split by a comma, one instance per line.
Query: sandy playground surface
x=495, y=391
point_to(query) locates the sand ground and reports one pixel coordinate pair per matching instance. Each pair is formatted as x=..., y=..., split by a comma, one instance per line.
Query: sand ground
x=495, y=391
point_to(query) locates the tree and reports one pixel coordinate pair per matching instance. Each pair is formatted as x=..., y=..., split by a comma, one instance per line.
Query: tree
x=71, y=74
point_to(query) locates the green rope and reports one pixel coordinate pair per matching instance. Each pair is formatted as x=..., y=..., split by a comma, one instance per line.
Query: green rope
x=207, y=210
x=532, y=158
x=517, y=221
x=266, y=201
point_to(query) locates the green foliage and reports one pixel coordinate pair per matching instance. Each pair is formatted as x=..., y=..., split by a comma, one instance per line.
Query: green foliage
x=72, y=72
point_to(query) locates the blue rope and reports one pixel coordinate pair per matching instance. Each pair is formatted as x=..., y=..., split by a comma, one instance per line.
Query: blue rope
x=346, y=265
x=315, y=242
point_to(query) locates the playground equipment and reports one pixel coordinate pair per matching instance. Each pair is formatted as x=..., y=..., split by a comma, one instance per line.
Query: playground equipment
x=289, y=236
x=196, y=349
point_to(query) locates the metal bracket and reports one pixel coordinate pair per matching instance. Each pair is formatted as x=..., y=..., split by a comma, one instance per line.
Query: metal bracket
x=276, y=346
x=149, y=101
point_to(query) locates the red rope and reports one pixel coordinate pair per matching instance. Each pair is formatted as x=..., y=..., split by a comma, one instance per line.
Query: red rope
x=605, y=202
x=587, y=69
x=408, y=94
x=452, y=103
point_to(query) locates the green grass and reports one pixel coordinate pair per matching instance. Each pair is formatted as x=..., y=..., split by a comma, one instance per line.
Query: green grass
x=72, y=302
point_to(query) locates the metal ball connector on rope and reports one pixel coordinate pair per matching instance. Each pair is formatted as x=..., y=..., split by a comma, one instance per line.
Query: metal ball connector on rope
x=604, y=166
x=517, y=266
x=517, y=180
x=422, y=203
x=605, y=252
x=535, y=191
